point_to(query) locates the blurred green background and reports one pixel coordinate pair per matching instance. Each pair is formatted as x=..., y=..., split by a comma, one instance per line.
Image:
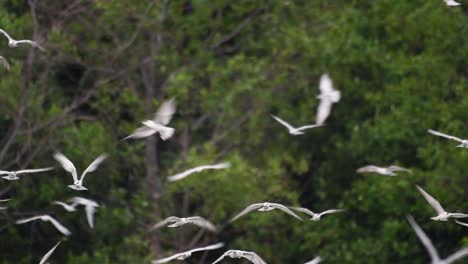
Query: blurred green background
x=401, y=66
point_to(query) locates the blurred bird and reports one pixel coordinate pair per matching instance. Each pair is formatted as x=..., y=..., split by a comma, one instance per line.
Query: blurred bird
x=5, y=63
x=186, y=254
x=435, y=258
x=180, y=176
x=293, y=130
x=158, y=125
x=316, y=216
x=265, y=207
x=316, y=260
x=68, y=166
x=451, y=3
x=389, y=171
x=89, y=206
x=328, y=96
x=48, y=218
x=13, y=175
x=250, y=256
x=196, y=220
x=46, y=256
x=442, y=214
x=14, y=43
x=463, y=142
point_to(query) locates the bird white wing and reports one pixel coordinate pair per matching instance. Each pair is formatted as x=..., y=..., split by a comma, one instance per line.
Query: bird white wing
x=284, y=123
x=90, y=210
x=425, y=240
x=326, y=84
x=203, y=223
x=210, y=247
x=331, y=211
x=323, y=111
x=437, y=133
x=286, y=210
x=6, y=34
x=180, y=176
x=309, y=127
x=164, y=222
x=66, y=164
x=30, y=42
x=4, y=200
x=457, y=255
x=247, y=210
x=47, y=255
x=35, y=170
x=397, y=168
x=314, y=261
x=57, y=225
x=451, y=3
x=458, y=215
x=222, y=256
x=4, y=172
x=433, y=202
x=218, y=166
x=94, y=165
x=69, y=208
x=83, y=201
x=165, y=112
x=256, y=259
x=461, y=223
x=25, y=220
x=304, y=210
x=164, y=260
x=5, y=63
x=369, y=168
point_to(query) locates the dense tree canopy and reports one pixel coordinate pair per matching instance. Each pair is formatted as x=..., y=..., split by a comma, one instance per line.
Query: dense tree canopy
x=401, y=66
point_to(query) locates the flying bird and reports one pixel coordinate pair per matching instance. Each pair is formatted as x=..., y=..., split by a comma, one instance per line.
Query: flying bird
x=48, y=218
x=314, y=261
x=196, y=220
x=442, y=215
x=186, y=254
x=14, y=43
x=265, y=207
x=180, y=176
x=389, y=171
x=294, y=130
x=250, y=256
x=463, y=142
x=158, y=124
x=13, y=175
x=328, y=95
x=89, y=206
x=46, y=256
x=435, y=258
x=5, y=63
x=316, y=216
x=451, y=3
x=68, y=166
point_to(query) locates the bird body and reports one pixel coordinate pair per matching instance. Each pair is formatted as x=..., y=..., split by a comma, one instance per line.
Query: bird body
x=180, y=176
x=68, y=166
x=174, y=221
x=463, y=142
x=13, y=175
x=14, y=43
x=294, y=130
x=328, y=96
x=47, y=218
x=388, y=171
x=316, y=216
x=237, y=254
x=442, y=215
x=186, y=254
x=265, y=207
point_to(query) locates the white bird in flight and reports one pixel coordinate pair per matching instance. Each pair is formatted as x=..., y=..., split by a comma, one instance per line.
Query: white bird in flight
x=158, y=125
x=294, y=130
x=14, y=43
x=435, y=258
x=68, y=166
x=265, y=207
x=316, y=260
x=89, y=206
x=174, y=221
x=5, y=63
x=442, y=215
x=328, y=95
x=47, y=255
x=13, y=175
x=463, y=142
x=389, y=171
x=180, y=176
x=48, y=218
x=186, y=254
x=316, y=216
x=451, y=3
x=250, y=256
